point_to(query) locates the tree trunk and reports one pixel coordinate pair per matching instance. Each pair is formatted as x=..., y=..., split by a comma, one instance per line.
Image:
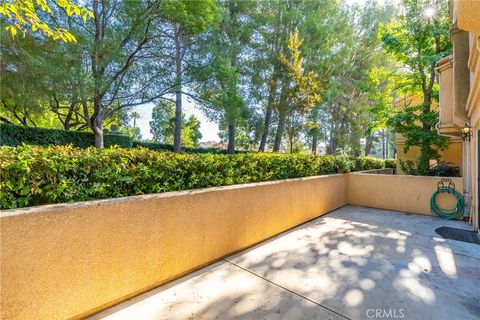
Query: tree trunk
x=268, y=116
x=282, y=116
x=334, y=130
x=97, y=128
x=290, y=139
x=368, y=145
x=279, y=133
x=333, y=141
x=266, y=129
x=425, y=145
x=387, y=142
x=68, y=118
x=98, y=138
x=314, y=132
x=356, y=153
x=314, y=143
x=66, y=125
x=383, y=143
x=426, y=149
x=96, y=122
x=231, y=138
x=424, y=159
x=177, y=137
x=98, y=69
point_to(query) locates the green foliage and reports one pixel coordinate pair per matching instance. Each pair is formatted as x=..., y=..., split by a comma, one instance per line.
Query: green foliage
x=169, y=147
x=406, y=122
x=416, y=42
x=391, y=163
x=34, y=175
x=24, y=14
x=193, y=16
x=153, y=146
x=409, y=167
x=344, y=164
x=439, y=169
x=304, y=86
x=234, y=58
x=162, y=126
x=300, y=92
x=12, y=135
x=369, y=163
x=220, y=85
x=116, y=139
x=345, y=56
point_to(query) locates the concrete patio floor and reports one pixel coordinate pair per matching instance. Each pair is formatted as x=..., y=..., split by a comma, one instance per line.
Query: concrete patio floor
x=353, y=263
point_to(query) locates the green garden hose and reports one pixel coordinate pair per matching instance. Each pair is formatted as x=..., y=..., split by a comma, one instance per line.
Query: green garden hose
x=447, y=214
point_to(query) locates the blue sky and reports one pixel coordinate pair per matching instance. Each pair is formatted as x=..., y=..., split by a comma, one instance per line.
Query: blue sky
x=209, y=129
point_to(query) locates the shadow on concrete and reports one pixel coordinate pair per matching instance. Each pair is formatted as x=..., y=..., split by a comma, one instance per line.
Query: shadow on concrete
x=354, y=263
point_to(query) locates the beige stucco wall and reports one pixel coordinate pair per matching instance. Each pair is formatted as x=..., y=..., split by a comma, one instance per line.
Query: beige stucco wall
x=71, y=260
x=467, y=15
x=397, y=192
x=464, y=15
x=473, y=110
x=65, y=261
x=452, y=154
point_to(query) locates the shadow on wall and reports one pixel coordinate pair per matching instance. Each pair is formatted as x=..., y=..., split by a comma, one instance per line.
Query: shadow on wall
x=333, y=267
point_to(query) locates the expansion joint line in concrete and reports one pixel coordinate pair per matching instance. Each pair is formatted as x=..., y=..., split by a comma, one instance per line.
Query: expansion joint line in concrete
x=286, y=289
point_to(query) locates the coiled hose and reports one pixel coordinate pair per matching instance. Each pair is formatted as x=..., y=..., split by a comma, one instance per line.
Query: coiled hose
x=447, y=214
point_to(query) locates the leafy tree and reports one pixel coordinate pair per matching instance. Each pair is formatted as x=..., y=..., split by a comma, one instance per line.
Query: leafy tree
x=192, y=132
x=273, y=22
x=380, y=88
x=87, y=84
x=326, y=30
x=135, y=116
x=123, y=56
x=299, y=92
x=220, y=86
x=341, y=45
x=120, y=61
x=417, y=42
x=111, y=69
x=242, y=62
x=37, y=15
x=22, y=84
x=190, y=19
x=134, y=131
x=163, y=126
x=44, y=79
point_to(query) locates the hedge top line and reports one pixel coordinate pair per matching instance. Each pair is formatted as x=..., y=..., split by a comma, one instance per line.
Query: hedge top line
x=36, y=175
x=14, y=136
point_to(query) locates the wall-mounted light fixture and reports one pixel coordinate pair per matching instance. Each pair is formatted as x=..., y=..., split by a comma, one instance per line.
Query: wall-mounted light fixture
x=466, y=132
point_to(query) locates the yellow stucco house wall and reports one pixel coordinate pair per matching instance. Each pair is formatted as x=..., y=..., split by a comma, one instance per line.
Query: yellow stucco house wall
x=459, y=78
x=452, y=154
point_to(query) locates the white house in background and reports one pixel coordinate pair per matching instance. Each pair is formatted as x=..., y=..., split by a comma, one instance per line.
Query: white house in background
x=210, y=144
x=321, y=149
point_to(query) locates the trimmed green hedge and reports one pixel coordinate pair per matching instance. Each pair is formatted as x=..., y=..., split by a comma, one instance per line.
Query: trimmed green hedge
x=35, y=175
x=168, y=147
x=13, y=135
x=369, y=163
x=153, y=146
x=391, y=163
